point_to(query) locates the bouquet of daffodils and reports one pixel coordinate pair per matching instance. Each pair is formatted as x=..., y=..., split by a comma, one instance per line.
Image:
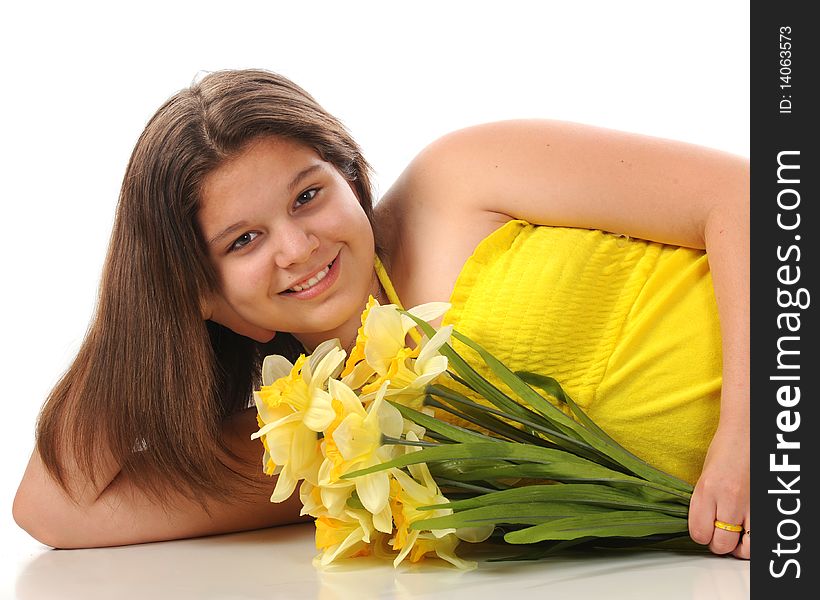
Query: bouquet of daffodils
x=404, y=452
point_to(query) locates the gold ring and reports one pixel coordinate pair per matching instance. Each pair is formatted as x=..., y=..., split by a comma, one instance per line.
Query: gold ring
x=728, y=526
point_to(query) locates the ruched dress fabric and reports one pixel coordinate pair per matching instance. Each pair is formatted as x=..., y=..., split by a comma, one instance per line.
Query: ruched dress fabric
x=629, y=328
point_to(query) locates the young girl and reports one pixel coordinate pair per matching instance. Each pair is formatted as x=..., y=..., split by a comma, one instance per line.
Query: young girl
x=245, y=227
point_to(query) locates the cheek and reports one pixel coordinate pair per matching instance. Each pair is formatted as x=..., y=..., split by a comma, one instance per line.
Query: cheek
x=355, y=224
x=243, y=279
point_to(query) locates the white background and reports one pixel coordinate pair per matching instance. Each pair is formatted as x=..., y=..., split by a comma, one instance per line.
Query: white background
x=80, y=80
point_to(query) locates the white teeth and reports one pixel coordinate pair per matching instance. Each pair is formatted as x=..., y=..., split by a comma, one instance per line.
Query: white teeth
x=312, y=281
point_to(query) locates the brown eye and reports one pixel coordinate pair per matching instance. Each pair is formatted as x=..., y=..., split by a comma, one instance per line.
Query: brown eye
x=306, y=197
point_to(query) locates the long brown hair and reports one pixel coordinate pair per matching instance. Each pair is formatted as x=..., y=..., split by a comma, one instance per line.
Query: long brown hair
x=152, y=381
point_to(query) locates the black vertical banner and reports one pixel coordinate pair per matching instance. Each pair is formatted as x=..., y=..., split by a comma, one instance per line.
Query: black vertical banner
x=784, y=396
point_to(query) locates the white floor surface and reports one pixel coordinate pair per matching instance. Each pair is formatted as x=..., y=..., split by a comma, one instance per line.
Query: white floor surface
x=276, y=563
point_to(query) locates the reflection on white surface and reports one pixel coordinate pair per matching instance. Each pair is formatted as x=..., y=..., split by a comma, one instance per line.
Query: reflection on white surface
x=276, y=563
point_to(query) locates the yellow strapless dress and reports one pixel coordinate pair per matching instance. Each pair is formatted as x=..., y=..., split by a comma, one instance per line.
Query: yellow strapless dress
x=628, y=327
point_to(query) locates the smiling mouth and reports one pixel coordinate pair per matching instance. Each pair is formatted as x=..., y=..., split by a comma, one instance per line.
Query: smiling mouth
x=309, y=283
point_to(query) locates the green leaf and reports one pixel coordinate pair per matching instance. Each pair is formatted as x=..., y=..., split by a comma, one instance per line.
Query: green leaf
x=520, y=388
x=451, y=432
x=609, y=449
x=443, y=482
x=457, y=472
x=609, y=524
x=618, y=453
x=581, y=493
x=551, y=386
x=514, y=514
x=473, y=378
x=647, y=490
x=555, y=464
x=496, y=450
x=483, y=416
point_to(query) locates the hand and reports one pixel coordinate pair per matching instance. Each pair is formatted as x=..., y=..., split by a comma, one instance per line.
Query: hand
x=722, y=493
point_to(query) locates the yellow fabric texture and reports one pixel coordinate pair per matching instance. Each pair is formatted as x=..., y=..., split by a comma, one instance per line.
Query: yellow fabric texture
x=628, y=327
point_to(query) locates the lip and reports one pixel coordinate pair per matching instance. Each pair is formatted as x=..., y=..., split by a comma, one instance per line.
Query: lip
x=320, y=287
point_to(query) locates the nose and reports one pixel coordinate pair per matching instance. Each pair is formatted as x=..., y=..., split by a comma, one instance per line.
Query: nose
x=295, y=244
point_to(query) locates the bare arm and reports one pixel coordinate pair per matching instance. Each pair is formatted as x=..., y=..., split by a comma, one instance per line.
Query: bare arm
x=565, y=174
x=120, y=514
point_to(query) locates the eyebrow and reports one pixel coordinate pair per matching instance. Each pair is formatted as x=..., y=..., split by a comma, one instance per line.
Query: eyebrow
x=227, y=231
x=304, y=173
x=294, y=183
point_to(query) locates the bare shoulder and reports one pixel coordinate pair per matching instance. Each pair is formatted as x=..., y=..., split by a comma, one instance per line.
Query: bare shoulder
x=566, y=174
x=426, y=225
x=467, y=183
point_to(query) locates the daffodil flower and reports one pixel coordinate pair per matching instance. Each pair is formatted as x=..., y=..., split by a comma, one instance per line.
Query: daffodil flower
x=294, y=406
x=344, y=537
x=354, y=441
x=408, y=384
x=311, y=499
x=407, y=494
x=294, y=447
x=381, y=349
x=302, y=386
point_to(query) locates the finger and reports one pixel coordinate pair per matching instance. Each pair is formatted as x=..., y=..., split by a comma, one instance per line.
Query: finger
x=724, y=541
x=744, y=548
x=701, y=519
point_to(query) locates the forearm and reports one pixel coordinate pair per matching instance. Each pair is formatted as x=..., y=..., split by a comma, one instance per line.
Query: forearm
x=727, y=238
x=123, y=514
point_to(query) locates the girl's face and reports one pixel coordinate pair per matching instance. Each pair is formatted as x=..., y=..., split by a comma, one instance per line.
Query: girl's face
x=290, y=243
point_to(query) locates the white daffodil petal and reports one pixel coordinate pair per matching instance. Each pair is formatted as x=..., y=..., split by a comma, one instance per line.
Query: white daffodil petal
x=380, y=352
x=391, y=423
x=408, y=545
x=350, y=401
x=412, y=428
x=422, y=380
x=335, y=498
x=359, y=375
x=431, y=348
x=415, y=490
x=279, y=442
x=384, y=321
x=321, y=351
x=325, y=368
x=303, y=449
x=440, y=533
x=311, y=504
x=426, y=478
x=292, y=417
x=435, y=365
x=385, y=338
x=351, y=438
x=320, y=414
x=383, y=521
x=353, y=538
x=373, y=411
x=416, y=470
x=430, y=310
x=285, y=484
x=374, y=491
x=269, y=412
x=274, y=367
x=365, y=520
